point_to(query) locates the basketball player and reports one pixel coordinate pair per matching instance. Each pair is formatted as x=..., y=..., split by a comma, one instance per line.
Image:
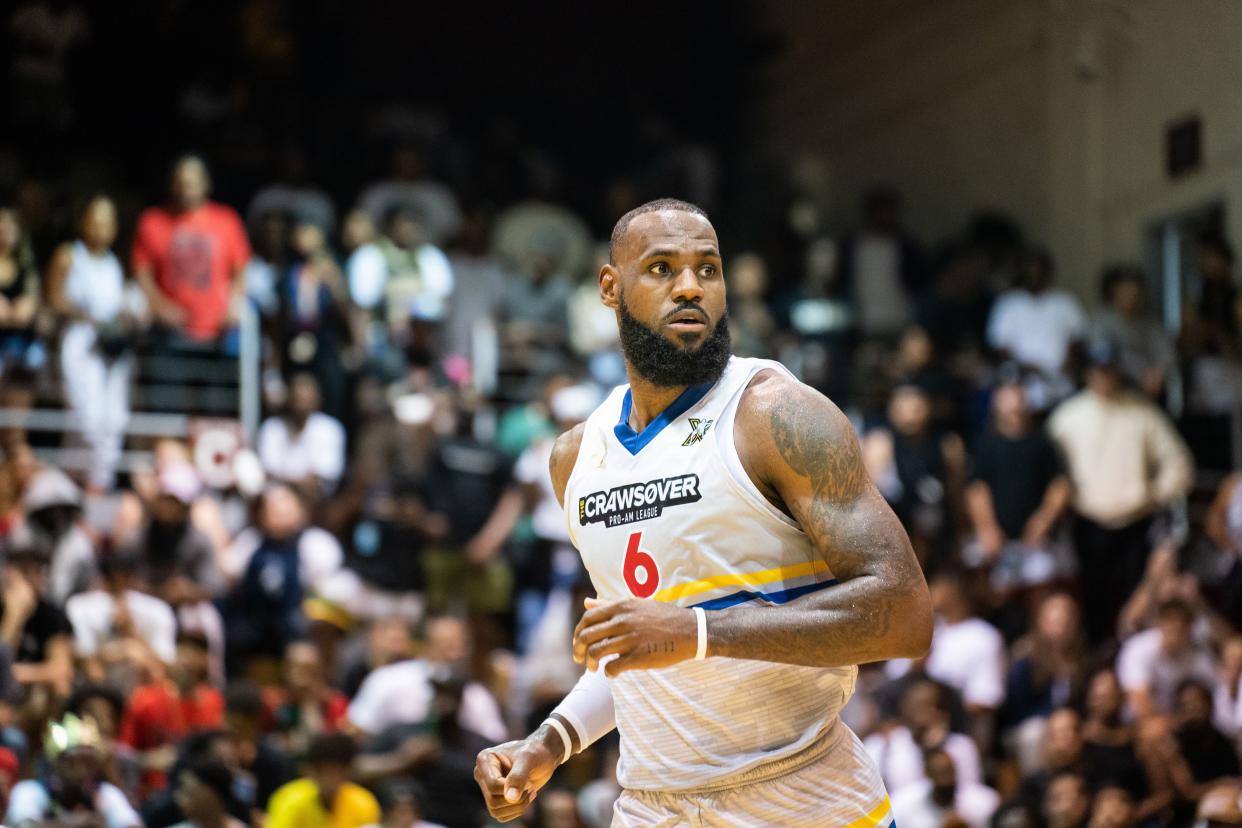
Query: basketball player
x=743, y=562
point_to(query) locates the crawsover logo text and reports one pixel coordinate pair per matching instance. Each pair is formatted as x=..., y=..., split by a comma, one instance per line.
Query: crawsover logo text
x=637, y=501
x=698, y=430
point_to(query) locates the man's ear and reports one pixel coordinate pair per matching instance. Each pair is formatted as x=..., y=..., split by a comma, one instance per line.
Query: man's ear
x=609, y=286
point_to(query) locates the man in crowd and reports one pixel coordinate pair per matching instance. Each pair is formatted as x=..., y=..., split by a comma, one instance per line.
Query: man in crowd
x=189, y=256
x=1128, y=465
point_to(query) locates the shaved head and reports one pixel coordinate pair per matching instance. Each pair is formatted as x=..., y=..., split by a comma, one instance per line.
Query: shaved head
x=623, y=223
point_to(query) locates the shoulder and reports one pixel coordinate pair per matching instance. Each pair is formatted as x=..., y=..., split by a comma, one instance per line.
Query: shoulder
x=292, y=794
x=564, y=456
x=786, y=426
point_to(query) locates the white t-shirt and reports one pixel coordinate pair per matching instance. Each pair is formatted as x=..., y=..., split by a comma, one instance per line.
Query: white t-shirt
x=900, y=758
x=548, y=519
x=1036, y=328
x=318, y=449
x=883, y=306
x=974, y=803
x=319, y=556
x=29, y=801
x=970, y=657
x=1142, y=665
x=402, y=694
x=92, y=613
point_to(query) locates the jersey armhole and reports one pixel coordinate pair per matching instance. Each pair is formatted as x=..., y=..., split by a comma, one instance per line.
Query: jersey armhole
x=726, y=442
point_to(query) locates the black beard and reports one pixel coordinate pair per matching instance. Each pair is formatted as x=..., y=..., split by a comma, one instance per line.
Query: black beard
x=662, y=362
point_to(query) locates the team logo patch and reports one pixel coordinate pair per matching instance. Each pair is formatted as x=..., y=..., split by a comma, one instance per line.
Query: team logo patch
x=637, y=501
x=698, y=429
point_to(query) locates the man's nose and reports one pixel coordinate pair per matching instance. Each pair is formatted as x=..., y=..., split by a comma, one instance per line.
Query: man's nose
x=686, y=287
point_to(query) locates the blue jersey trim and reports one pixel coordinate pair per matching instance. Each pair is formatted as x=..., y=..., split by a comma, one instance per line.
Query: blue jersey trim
x=635, y=440
x=779, y=597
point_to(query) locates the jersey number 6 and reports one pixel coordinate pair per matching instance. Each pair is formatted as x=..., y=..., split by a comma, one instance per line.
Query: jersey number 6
x=641, y=574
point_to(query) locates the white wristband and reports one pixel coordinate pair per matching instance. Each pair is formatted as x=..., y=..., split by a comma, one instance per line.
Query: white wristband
x=564, y=734
x=701, y=618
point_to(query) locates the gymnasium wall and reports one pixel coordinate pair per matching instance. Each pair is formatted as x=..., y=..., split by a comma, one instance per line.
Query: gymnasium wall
x=1052, y=110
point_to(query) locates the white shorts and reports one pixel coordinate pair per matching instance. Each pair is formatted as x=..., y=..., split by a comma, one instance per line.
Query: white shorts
x=839, y=789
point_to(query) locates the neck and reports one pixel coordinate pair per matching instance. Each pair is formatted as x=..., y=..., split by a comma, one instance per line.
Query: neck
x=648, y=399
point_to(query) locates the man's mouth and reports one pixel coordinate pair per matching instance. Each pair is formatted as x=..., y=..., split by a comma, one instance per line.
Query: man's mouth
x=688, y=320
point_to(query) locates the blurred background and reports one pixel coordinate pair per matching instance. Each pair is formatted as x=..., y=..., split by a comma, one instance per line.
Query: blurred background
x=294, y=298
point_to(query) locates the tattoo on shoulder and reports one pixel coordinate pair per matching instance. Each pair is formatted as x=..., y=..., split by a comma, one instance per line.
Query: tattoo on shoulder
x=819, y=445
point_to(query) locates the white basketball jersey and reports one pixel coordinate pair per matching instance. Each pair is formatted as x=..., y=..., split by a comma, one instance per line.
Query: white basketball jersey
x=669, y=514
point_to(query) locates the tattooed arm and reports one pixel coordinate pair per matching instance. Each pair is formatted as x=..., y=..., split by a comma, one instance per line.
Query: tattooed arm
x=802, y=453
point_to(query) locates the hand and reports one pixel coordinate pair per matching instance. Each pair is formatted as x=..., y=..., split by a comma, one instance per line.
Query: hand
x=169, y=313
x=479, y=551
x=20, y=598
x=642, y=634
x=991, y=540
x=1035, y=533
x=418, y=750
x=510, y=775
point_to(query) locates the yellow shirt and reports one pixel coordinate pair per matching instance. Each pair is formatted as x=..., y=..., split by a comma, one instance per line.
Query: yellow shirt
x=296, y=805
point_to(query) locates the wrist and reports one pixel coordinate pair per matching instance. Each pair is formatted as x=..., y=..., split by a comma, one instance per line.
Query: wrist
x=553, y=739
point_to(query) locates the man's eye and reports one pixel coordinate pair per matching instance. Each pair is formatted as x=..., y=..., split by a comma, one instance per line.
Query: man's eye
x=661, y=269
x=707, y=271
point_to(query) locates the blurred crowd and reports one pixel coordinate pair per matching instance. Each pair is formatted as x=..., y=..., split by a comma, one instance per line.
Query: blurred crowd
x=325, y=625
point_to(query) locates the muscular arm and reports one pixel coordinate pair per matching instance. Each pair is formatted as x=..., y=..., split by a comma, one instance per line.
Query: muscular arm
x=800, y=448
x=802, y=453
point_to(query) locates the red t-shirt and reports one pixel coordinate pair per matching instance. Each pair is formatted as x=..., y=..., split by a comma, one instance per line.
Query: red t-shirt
x=194, y=256
x=157, y=716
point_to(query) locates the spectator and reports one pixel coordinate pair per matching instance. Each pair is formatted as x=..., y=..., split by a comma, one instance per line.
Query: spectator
x=305, y=706
x=18, y=468
x=303, y=447
x=265, y=768
x=1066, y=803
x=924, y=725
x=176, y=558
x=919, y=469
x=36, y=631
x=325, y=796
x=366, y=272
x=274, y=567
x=1127, y=465
x=1060, y=751
x=549, y=560
x=86, y=288
x=170, y=707
x=53, y=505
x=881, y=268
x=1210, y=756
x=478, y=298
x=1015, y=516
x=1109, y=749
x=189, y=257
x=750, y=320
x=942, y=800
x=313, y=326
x=1153, y=663
x=1145, y=352
x=409, y=185
x=104, y=707
x=268, y=260
x=204, y=793
x=967, y=654
x=1216, y=310
x=418, y=279
x=74, y=784
x=119, y=624
x=1048, y=671
x=388, y=641
x=1036, y=326
x=19, y=299
x=1227, y=698
x=402, y=693
x=401, y=801
x=293, y=193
